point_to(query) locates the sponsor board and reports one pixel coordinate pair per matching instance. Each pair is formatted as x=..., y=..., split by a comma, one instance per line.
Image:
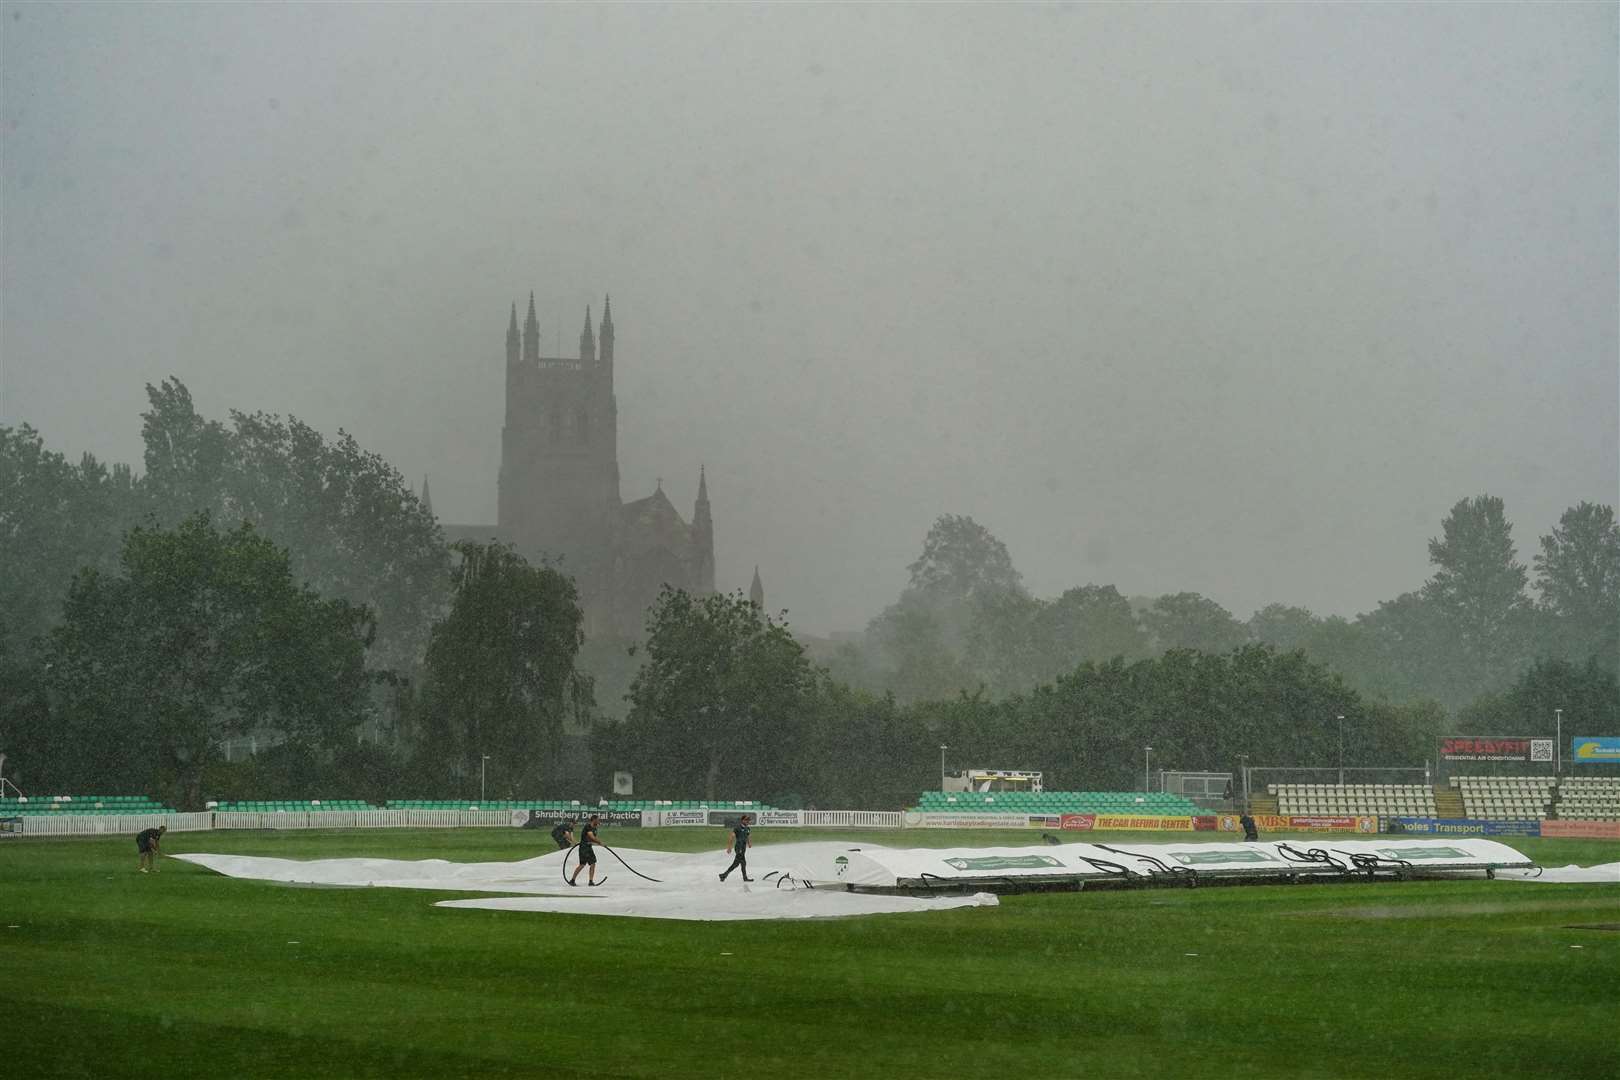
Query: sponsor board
x=1003, y=862
x=1591, y=830
x=611, y=817
x=1254, y=856
x=975, y=821
x=1595, y=748
x=1077, y=821
x=10, y=826
x=685, y=817
x=1463, y=827
x=779, y=818
x=1142, y=823
x=1350, y=823
x=1206, y=823
x=1492, y=748
x=1423, y=854
x=1045, y=821
x=1340, y=823
x=731, y=817
x=520, y=819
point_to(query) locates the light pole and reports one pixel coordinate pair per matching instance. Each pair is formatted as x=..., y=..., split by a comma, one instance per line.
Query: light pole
x=1243, y=760
x=942, y=749
x=1341, y=749
x=482, y=762
x=1558, y=744
x=1147, y=773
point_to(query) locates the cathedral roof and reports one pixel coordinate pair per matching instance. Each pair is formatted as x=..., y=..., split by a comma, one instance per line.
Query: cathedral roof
x=654, y=522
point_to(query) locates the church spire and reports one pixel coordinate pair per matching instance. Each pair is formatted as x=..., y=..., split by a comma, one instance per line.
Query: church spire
x=531, y=335
x=587, y=340
x=756, y=591
x=703, y=535
x=606, y=336
x=427, y=499
x=512, y=337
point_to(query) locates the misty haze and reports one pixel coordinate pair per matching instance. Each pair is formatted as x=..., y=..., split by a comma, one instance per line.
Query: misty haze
x=1150, y=416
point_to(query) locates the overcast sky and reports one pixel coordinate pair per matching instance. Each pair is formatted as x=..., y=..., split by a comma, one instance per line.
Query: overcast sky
x=1232, y=299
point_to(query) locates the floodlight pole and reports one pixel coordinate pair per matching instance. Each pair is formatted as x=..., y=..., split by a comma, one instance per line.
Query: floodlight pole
x=1558, y=744
x=482, y=762
x=1147, y=782
x=1341, y=749
x=942, y=749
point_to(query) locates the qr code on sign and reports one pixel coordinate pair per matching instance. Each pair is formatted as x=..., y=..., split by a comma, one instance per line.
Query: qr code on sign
x=1541, y=749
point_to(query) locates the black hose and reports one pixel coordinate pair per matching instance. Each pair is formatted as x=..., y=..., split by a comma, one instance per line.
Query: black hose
x=1114, y=868
x=616, y=855
x=1369, y=862
x=1174, y=871
x=1313, y=855
x=630, y=868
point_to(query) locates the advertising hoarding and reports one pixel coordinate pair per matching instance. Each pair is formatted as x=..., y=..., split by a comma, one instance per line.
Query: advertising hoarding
x=1591, y=830
x=1463, y=827
x=1346, y=823
x=1142, y=823
x=1595, y=748
x=1520, y=748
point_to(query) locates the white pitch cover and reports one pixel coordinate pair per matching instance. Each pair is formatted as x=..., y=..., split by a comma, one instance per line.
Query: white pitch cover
x=807, y=880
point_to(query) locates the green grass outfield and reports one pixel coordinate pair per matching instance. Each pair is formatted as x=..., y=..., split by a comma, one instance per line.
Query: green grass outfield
x=108, y=973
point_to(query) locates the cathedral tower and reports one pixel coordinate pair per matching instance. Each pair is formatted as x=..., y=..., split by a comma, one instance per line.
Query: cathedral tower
x=559, y=481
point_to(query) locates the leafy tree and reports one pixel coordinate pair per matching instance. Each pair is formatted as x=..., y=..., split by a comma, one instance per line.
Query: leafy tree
x=1016, y=641
x=186, y=454
x=864, y=750
x=1287, y=628
x=1578, y=577
x=723, y=700
x=500, y=677
x=1478, y=591
x=353, y=527
x=55, y=517
x=1198, y=711
x=1588, y=694
x=1090, y=622
x=921, y=639
x=961, y=559
x=915, y=637
x=1189, y=621
x=1003, y=647
x=202, y=637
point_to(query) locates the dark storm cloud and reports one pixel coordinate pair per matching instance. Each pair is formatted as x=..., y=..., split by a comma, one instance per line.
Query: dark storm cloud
x=1231, y=299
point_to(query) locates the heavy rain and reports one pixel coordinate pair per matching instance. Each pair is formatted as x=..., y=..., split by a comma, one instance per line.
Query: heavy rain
x=963, y=434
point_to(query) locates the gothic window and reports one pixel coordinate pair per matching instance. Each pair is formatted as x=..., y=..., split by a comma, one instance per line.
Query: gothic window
x=582, y=427
x=555, y=427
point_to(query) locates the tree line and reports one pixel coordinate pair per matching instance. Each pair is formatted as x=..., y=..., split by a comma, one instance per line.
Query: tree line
x=965, y=623
x=259, y=579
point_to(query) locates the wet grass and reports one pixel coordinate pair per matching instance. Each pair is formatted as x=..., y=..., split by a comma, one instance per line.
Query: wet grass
x=105, y=972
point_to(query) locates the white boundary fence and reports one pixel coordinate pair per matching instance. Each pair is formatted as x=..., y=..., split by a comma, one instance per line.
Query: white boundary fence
x=360, y=819
x=112, y=824
x=119, y=824
x=862, y=819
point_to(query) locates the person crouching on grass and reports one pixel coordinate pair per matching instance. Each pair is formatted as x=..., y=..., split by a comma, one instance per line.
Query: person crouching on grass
x=146, y=842
x=587, y=853
x=739, y=841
